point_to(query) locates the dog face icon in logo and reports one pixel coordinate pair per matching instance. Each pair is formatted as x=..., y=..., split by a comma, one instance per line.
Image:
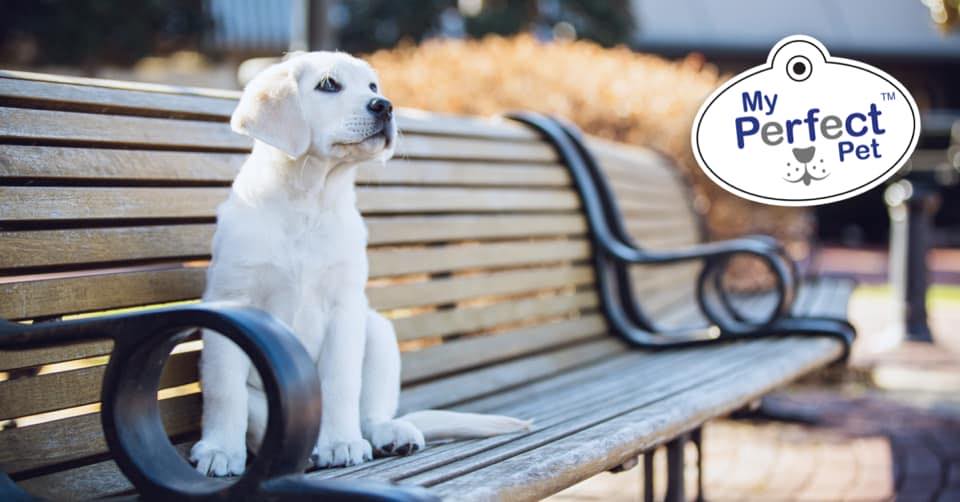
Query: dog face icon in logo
x=807, y=174
x=844, y=126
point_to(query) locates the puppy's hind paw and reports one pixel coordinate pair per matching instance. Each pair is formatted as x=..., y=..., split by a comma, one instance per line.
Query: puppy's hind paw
x=395, y=437
x=341, y=453
x=213, y=460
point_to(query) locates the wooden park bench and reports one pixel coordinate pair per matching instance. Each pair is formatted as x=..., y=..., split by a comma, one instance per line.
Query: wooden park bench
x=492, y=246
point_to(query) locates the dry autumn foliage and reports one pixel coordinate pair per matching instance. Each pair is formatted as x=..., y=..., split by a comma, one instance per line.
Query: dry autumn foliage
x=613, y=93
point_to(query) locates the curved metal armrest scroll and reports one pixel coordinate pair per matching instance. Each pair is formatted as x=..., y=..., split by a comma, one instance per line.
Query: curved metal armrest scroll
x=614, y=250
x=131, y=416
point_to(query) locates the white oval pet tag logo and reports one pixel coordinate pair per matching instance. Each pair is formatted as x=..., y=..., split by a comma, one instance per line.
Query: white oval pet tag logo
x=805, y=128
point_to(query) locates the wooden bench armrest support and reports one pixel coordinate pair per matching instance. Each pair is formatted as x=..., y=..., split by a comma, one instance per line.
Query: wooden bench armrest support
x=131, y=418
x=614, y=251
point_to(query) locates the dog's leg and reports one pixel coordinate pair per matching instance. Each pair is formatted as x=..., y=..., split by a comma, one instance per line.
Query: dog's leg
x=381, y=392
x=224, y=368
x=340, y=367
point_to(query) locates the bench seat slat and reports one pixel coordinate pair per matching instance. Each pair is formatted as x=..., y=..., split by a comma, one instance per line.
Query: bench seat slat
x=628, y=426
x=560, y=462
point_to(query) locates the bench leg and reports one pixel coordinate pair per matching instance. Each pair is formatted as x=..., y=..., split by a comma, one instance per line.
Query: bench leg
x=648, y=475
x=697, y=438
x=675, y=470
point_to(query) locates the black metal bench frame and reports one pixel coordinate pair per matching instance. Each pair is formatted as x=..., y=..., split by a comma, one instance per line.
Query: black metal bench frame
x=142, y=343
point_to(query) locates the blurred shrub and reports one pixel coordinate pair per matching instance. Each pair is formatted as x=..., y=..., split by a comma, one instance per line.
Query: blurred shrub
x=613, y=93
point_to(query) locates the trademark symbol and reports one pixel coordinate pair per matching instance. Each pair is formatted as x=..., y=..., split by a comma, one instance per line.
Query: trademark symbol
x=889, y=96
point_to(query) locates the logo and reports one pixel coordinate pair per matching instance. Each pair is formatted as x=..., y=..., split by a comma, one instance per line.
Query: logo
x=806, y=128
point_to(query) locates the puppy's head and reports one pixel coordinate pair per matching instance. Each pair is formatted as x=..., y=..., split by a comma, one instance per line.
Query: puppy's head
x=326, y=104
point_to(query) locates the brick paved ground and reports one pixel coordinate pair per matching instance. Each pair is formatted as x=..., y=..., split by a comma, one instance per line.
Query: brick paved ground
x=889, y=429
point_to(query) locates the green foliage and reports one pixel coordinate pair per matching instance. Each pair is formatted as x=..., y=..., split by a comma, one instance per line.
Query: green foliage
x=88, y=32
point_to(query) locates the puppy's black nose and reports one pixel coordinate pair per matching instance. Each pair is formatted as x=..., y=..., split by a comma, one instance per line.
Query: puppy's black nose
x=380, y=108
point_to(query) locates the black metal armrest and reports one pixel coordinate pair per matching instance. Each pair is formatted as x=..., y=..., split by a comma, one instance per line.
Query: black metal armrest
x=614, y=251
x=131, y=416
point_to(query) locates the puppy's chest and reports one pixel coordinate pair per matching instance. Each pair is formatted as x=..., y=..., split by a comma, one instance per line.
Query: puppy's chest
x=319, y=244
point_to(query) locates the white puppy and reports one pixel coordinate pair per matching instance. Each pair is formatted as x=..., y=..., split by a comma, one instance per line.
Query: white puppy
x=290, y=241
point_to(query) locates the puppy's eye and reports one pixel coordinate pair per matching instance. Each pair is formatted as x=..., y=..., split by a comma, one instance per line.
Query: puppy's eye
x=373, y=87
x=328, y=84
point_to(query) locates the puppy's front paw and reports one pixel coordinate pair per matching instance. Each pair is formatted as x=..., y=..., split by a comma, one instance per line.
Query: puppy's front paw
x=395, y=437
x=332, y=453
x=214, y=460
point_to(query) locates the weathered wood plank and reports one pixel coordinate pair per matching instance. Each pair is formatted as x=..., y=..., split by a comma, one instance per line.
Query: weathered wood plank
x=82, y=436
x=111, y=96
x=467, y=385
x=66, y=389
x=548, y=400
x=24, y=203
x=47, y=126
x=447, y=290
x=472, y=148
x=89, y=293
x=95, y=129
x=73, y=97
x=49, y=162
x=439, y=228
x=66, y=164
x=558, y=463
x=124, y=244
x=481, y=350
x=16, y=359
x=74, y=294
x=103, y=245
x=554, y=411
x=41, y=248
x=468, y=319
x=467, y=172
x=385, y=262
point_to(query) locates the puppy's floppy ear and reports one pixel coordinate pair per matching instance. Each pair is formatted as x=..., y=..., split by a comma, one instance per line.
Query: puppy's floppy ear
x=269, y=110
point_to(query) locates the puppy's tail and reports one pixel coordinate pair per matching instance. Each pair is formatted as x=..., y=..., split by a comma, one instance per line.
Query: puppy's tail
x=439, y=424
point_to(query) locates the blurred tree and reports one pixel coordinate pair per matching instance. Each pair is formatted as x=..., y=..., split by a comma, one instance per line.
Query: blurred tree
x=607, y=23
x=374, y=24
x=92, y=32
